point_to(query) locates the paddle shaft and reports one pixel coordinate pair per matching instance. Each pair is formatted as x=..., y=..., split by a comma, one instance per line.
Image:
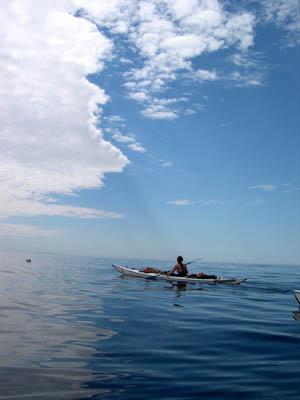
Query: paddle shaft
x=190, y=262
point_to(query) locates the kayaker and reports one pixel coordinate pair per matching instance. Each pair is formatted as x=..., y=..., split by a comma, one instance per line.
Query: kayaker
x=179, y=268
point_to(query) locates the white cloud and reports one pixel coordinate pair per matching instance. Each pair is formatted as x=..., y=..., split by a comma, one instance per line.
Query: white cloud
x=119, y=137
x=246, y=79
x=26, y=231
x=180, y=202
x=112, y=119
x=286, y=187
x=125, y=60
x=168, y=34
x=49, y=138
x=205, y=75
x=250, y=71
x=160, y=108
x=243, y=60
x=289, y=187
x=51, y=200
x=166, y=164
x=137, y=147
x=116, y=123
x=186, y=202
x=139, y=96
x=116, y=15
x=35, y=207
x=157, y=111
x=134, y=145
x=189, y=111
x=264, y=187
x=286, y=14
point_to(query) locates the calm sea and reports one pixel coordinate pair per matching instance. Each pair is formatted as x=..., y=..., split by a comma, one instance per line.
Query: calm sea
x=72, y=328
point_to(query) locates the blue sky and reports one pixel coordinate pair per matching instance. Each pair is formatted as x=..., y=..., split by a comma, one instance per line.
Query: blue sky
x=149, y=129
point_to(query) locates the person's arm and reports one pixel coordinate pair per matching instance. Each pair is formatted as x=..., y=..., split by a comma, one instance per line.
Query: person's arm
x=173, y=270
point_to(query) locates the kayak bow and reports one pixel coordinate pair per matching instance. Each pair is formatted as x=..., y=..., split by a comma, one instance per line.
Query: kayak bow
x=126, y=271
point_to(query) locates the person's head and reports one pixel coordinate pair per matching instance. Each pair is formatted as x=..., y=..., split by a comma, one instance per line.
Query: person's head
x=179, y=259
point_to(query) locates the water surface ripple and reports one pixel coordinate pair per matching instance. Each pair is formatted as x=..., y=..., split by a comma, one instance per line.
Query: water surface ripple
x=71, y=328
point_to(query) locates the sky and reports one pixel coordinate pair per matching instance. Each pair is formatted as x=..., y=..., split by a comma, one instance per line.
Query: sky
x=149, y=129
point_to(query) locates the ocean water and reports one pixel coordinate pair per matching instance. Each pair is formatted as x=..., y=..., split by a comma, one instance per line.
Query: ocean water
x=72, y=328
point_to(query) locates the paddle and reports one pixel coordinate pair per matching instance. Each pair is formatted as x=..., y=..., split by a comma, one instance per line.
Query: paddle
x=196, y=259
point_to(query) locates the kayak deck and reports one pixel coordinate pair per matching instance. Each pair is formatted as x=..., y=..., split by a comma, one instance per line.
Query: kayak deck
x=133, y=272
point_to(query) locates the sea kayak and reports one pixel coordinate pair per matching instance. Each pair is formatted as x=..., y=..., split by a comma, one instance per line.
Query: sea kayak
x=175, y=279
x=297, y=295
x=134, y=272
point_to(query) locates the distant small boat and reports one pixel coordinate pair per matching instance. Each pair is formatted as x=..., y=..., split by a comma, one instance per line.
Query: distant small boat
x=297, y=295
x=28, y=259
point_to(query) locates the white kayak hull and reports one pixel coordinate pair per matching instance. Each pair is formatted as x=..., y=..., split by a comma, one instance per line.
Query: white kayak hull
x=219, y=280
x=126, y=271
x=297, y=295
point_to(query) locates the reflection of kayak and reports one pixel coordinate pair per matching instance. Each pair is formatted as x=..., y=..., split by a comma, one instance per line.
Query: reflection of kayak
x=228, y=281
x=134, y=272
x=140, y=274
x=297, y=295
